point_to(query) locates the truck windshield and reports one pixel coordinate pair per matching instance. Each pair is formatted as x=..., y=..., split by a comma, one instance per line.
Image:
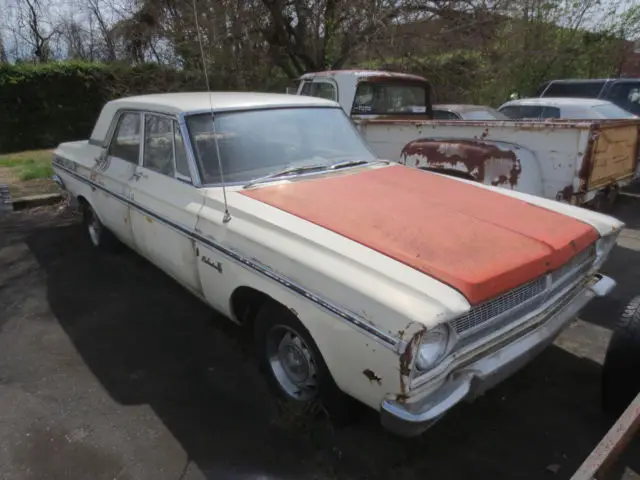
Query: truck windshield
x=378, y=98
x=257, y=143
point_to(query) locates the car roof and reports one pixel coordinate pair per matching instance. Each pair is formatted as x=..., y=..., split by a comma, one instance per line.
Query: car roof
x=556, y=102
x=191, y=102
x=218, y=101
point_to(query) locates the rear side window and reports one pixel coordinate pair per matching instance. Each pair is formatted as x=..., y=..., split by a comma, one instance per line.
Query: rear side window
x=530, y=112
x=574, y=89
x=126, y=139
x=444, y=115
x=158, y=144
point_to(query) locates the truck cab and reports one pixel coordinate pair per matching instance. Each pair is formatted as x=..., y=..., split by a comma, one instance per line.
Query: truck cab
x=372, y=94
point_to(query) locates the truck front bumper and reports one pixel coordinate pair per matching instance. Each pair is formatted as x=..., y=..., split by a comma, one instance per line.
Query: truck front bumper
x=421, y=410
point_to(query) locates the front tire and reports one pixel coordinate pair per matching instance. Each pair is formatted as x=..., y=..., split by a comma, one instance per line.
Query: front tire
x=621, y=370
x=99, y=236
x=294, y=368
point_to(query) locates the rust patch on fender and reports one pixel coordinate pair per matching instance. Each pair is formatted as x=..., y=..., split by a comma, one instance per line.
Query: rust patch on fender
x=484, y=161
x=370, y=374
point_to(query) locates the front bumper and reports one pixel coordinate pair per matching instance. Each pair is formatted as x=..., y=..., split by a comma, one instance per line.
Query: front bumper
x=417, y=413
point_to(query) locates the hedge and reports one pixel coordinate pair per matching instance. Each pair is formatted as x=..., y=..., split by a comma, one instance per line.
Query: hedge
x=42, y=105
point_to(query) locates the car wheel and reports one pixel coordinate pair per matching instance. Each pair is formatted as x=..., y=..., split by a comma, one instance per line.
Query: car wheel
x=99, y=236
x=294, y=368
x=620, y=378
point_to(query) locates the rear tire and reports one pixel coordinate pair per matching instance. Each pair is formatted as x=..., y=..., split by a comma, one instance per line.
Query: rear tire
x=99, y=236
x=621, y=370
x=294, y=369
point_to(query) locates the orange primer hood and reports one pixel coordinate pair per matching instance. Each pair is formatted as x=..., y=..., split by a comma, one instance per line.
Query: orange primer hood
x=475, y=240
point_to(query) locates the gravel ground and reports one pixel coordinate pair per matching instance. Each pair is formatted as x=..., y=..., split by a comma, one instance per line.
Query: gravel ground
x=110, y=370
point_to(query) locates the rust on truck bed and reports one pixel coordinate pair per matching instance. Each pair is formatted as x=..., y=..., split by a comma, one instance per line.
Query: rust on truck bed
x=483, y=161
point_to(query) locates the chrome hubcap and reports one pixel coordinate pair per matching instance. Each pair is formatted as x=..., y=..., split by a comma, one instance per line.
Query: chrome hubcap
x=292, y=363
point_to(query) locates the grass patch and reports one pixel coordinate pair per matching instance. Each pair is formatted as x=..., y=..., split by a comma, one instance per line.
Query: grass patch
x=31, y=165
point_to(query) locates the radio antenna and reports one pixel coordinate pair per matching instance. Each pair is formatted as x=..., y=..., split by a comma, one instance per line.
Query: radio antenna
x=227, y=215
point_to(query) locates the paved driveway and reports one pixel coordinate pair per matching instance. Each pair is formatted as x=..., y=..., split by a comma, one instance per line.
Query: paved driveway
x=110, y=370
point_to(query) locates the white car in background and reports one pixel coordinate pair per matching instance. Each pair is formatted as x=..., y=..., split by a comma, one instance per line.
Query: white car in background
x=560, y=107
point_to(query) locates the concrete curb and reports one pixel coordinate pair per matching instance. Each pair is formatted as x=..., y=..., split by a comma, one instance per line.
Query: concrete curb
x=37, y=201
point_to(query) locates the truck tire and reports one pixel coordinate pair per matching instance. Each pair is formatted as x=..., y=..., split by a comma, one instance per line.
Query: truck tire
x=621, y=370
x=99, y=236
x=294, y=369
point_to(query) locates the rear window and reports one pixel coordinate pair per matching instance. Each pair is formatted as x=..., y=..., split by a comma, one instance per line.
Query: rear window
x=574, y=89
x=380, y=98
x=530, y=112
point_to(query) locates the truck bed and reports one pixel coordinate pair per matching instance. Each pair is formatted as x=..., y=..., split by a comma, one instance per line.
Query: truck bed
x=564, y=160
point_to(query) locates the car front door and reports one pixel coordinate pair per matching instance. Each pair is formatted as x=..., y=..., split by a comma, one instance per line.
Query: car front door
x=113, y=171
x=166, y=204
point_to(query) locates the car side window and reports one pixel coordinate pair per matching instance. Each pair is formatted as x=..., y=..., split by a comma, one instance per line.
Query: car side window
x=158, y=144
x=126, y=138
x=182, y=164
x=444, y=115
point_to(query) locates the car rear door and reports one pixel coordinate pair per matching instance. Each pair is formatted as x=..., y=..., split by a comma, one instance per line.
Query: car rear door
x=114, y=170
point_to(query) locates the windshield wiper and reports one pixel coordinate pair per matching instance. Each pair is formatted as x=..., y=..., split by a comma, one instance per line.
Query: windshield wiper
x=352, y=163
x=287, y=171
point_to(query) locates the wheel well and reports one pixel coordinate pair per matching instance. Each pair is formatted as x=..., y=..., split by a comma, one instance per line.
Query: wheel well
x=450, y=172
x=245, y=303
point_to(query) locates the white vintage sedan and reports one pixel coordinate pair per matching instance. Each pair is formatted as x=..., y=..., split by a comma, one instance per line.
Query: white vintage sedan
x=362, y=279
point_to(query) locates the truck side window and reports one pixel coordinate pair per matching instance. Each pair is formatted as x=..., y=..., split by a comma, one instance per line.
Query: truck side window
x=587, y=89
x=158, y=144
x=126, y=138
x=626, y=95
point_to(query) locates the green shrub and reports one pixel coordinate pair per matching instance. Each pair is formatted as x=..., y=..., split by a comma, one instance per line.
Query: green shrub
x=42, y=105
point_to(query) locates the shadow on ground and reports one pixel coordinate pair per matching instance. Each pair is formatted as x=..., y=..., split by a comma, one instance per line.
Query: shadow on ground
x=148, y=341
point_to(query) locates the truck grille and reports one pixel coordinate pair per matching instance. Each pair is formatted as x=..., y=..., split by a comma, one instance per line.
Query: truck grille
x=526, y=298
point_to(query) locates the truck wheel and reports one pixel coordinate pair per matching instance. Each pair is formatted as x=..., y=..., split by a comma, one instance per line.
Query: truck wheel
x=99, y=236
x=294, y=368
x=620, y=373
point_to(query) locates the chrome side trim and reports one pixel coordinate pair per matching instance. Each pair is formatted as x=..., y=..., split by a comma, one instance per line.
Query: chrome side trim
x=373, y=332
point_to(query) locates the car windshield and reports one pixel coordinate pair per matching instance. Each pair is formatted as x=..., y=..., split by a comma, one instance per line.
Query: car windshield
x=257, y=143
x=606, y=110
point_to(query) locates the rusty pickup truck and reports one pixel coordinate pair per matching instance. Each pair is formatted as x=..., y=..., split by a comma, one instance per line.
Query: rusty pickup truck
x=580, y=162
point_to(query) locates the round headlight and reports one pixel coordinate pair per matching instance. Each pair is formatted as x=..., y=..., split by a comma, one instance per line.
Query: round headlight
x=433, y=348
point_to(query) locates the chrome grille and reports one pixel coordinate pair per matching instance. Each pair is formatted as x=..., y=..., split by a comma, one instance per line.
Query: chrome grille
x=526, y=298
